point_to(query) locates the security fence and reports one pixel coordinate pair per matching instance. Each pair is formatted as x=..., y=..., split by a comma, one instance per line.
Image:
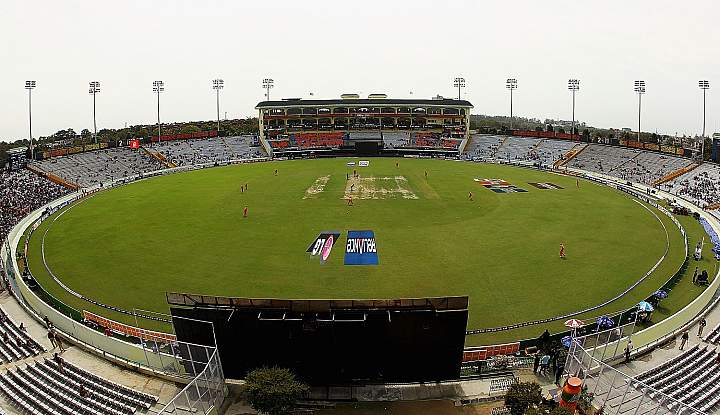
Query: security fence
x=206, y=392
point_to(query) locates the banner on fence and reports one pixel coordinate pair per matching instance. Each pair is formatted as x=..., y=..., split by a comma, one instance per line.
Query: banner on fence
x=129, y=330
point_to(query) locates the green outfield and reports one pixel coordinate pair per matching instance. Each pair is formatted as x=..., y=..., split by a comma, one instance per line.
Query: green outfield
x=186, y=232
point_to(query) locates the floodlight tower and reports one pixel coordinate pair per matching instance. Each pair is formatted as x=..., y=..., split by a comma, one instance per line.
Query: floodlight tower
x=459, y=83
x=511, y=85
x=30, y=85
x=217, y=85
x=573, y=86
x=268, y=84
x=639, y=87
x=158, y=88
x=94, y=89
x=704, y=85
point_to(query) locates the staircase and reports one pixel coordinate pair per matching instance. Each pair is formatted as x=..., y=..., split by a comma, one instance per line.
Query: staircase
x=677, y=173
x=535, y=147
x=159, y=157
x=569, y=156
x=623, y=163
x=53, y=178
x=497, y=150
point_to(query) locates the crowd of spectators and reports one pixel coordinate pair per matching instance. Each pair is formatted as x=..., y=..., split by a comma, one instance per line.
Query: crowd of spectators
x=21, y=192
x=701, y=185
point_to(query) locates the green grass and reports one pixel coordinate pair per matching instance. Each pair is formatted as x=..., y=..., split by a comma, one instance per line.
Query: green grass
x=185, y=232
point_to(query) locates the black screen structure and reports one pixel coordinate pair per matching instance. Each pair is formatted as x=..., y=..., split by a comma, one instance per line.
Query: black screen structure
x=333, y=346
x=368, y=148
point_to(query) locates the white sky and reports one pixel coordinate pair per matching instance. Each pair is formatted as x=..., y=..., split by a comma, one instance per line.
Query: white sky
x=332, y=47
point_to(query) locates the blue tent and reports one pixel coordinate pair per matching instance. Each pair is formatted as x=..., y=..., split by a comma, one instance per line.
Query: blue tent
x=712, y=234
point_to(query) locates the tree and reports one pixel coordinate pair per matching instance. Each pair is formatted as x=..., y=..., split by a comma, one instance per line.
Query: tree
x=85, y=134
x=189, y=128
x=68, y=134
x=522, y=396
x=559, y=410
x=273, y=391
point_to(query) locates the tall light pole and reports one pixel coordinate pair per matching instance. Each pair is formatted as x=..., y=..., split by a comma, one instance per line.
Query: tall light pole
x=158, y=88
x=30, y=85
x=639, y=87
x=94, y=89
x=459, y=83
x=268, y=84
x=511, y=84
x=573, y=86
x=217, y=85
x=704, y=85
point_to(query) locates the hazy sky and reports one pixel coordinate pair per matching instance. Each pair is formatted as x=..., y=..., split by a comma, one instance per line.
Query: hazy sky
x=333, y=47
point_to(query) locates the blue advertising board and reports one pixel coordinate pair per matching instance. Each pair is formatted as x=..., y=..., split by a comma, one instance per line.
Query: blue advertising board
x=360, y=248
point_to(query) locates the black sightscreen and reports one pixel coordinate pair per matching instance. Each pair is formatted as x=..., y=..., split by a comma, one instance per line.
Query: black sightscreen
x=368, y=148
x=340, y=347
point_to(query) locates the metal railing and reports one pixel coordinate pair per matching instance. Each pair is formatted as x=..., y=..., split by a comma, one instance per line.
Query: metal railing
x=206, y=392
x=613, y=391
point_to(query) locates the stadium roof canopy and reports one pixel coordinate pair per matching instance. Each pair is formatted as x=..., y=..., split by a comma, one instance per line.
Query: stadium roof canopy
x=362, y=101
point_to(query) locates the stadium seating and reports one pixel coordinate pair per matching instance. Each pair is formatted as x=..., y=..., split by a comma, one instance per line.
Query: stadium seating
x=206, y=151
x=87, y=169
x=429, y=142
x=648, y=167
x=280, y=144
x=483, y=147
x=603, y=159
x=396, y=139
x=450, y=143
x=700, y=185
x=517, y=149
x=713, y=336
x=21, y=192
x=364, y=135
x=548, y=151
x=241, y=147
x=16, y=344
x=692, y=378
x=47, y=388
x=319, y=140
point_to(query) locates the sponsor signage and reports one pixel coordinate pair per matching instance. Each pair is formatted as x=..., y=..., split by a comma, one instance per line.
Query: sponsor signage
x=360, y=248
x=323, y=244
x=363, y=163
x=499, y=186
x=129, y=330
x=134, y=144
